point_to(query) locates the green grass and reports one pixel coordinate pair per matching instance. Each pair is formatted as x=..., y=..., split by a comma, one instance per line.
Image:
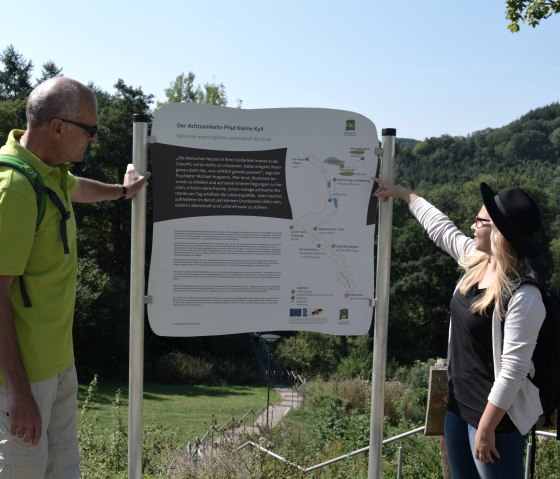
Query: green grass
x=187, y=410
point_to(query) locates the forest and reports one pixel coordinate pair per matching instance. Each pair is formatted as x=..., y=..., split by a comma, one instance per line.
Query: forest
x=445, y=170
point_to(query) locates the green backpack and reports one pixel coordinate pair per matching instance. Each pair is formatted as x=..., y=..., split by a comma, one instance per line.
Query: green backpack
x=41, y=191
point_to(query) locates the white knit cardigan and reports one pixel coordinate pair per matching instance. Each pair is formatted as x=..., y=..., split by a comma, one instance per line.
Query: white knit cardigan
x=512, y=389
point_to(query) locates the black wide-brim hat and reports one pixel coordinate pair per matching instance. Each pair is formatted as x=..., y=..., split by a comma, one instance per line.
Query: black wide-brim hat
x=516, y=216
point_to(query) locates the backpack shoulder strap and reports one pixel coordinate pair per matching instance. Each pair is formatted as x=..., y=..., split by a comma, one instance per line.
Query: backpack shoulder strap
x=530, y=280
x=41, y=190
x=533, y=450
x=32, y=176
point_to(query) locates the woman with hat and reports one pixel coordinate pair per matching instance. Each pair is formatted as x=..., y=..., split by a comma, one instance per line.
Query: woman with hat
x=492, y=404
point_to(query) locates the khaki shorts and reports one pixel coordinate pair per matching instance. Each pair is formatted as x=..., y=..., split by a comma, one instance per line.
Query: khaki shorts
x=57, y=455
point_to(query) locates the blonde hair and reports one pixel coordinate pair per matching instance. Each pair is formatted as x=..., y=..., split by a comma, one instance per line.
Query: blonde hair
x=510, y=266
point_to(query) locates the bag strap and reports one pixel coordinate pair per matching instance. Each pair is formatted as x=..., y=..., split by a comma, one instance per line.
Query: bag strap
x=32, y=176
x=533, y=449
x=520, y=282
x=64, y=215
x=41, y=190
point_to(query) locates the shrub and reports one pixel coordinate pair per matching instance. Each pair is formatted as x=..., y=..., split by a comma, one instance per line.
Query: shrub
x=331, y=423
x=355, y=393
x=354, y=367
x=547, y=458
x=359, y=360
x=420, y=454
x=416, y=379
x=180, y=368
x=105, y=456
x=310, y=354
x=399, y=402
x=236, y=372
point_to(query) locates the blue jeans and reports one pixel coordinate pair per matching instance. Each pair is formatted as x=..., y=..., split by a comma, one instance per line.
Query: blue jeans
x=459, y=445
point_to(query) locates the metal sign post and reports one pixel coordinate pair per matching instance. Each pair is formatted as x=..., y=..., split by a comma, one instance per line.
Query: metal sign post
x=381, y=311
x=137, y=291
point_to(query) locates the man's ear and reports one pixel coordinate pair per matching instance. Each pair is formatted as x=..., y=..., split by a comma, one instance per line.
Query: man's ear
x=55, y=126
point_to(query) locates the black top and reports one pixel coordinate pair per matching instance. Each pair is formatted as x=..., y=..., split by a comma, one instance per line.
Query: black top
x=470, y=361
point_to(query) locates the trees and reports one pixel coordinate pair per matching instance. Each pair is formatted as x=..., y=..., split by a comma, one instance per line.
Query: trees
x=15, y=86
x=49, y=70
x=310, y=353
x=101, y=332
x=529, y=11
x=15, y=76
x=12, y=115
x=101, y=319
x=446, y=170
x=529, y=145
x=184, y=90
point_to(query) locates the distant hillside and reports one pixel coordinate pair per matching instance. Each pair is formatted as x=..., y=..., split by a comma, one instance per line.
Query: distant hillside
x=406, y=143
x=528, y=146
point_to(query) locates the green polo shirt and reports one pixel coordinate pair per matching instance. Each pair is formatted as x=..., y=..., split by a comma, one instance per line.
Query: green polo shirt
x=44, y=330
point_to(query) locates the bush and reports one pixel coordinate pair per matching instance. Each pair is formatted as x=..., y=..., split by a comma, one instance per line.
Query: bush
x=105, y=456
x=399, y=402
x=355, y=393
x=354, y=367
x=421, y=455
x=547, y=458
x=416, y=379
x=236, y=372
x=180, y=368
x=223, y=463
x=310, y=354
x=359, y=361
x=326, y=426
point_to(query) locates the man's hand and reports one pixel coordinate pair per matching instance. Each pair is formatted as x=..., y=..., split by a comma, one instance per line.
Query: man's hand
x=26, y=423
x=23, y=412
x=134, y=181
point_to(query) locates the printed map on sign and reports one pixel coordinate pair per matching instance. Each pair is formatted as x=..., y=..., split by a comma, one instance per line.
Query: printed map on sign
x=263, y=220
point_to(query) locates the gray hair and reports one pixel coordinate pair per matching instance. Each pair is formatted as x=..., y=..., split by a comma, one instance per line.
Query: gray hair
x=59, y=97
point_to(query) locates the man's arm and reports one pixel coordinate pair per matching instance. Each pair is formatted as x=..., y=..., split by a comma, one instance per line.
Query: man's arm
x=90, y=191
x=22, y=408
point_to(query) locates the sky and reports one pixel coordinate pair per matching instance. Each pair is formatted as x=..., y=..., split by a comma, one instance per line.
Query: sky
x=424, y=67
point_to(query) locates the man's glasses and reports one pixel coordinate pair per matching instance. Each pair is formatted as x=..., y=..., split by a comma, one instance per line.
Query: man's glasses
x=479, y=222
x=91, y=130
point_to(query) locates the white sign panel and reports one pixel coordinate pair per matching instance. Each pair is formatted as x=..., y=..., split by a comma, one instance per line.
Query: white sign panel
x=263, y=221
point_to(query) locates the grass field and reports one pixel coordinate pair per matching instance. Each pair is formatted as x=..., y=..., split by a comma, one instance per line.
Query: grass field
x=187, y=410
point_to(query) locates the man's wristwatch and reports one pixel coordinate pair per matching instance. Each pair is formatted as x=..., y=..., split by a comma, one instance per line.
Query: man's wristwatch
x=124, y=192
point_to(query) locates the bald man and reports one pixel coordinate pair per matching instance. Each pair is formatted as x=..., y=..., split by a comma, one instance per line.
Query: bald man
x=38, y=268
